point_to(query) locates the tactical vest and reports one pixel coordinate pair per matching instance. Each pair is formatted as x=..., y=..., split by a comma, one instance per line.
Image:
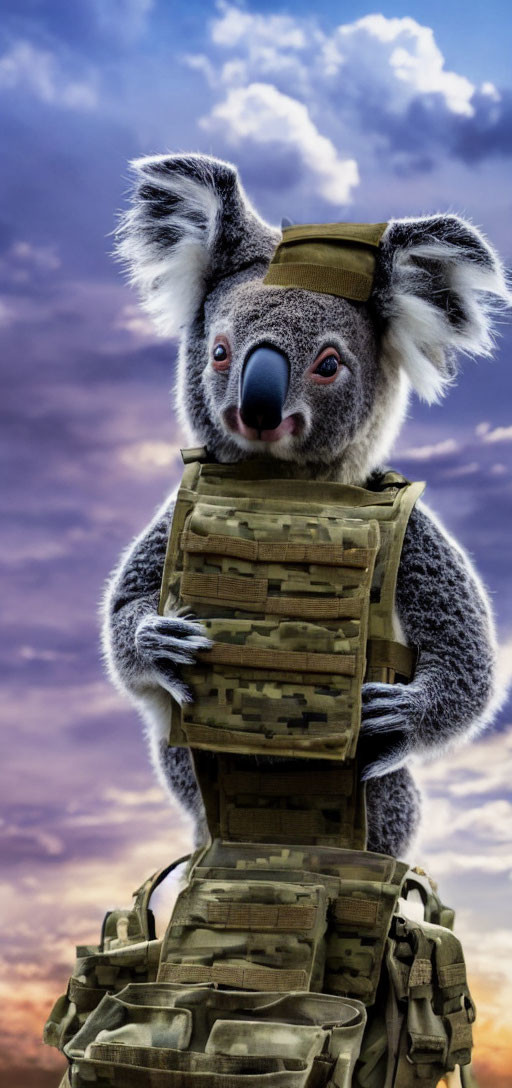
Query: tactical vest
x=287, y=960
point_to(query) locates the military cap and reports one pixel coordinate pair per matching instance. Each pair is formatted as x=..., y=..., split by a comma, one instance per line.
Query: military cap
x=333, y=258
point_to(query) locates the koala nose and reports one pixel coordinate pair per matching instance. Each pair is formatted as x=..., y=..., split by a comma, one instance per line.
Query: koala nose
x=263, y=388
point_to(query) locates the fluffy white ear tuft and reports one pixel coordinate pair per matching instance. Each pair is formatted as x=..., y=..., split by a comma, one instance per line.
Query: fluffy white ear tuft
x=439, y=283
x=190, y=223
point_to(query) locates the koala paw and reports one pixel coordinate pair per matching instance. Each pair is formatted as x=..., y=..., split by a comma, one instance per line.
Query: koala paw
x=163, y=643
x=391, y=714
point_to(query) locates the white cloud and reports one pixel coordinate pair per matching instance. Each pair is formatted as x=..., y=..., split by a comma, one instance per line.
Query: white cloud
x=262, y=113
x=44, y=257
x=397, y=57
x=282, y=77
x=31, y=653
x=411, y=55
x=236, y=27
x=455, y=862
x=427, y=453
x=37, y=70
x=462, y=470
x=490, y=91
x=478, y=768
x=148, y=457
x=492, y=820
x=24, y=261
x=482, y=429
x=499, y=434
x=131, y=319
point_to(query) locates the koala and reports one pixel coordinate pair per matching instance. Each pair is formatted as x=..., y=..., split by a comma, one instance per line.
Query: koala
x=198, y=252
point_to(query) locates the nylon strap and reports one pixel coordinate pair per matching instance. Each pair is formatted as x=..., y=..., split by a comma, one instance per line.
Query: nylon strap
x=240, y=978
x=228, y=653
x=356, y=911
x=291, y=918
x=206, y=736
x=383, y=653
x=334, y=782
x=257, y=822
x=261, y=551
x=252, y=594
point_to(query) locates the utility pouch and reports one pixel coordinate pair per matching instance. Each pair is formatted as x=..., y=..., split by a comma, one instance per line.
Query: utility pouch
x=170, y=1036
x=430, y=1010
x=96, y=974
x=254, y=935
x=268, y=917
x=127, y=952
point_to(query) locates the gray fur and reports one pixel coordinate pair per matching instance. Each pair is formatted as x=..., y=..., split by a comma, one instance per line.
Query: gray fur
x=198, y=253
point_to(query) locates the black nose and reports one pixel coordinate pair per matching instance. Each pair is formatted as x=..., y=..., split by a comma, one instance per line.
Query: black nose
x=263, y=388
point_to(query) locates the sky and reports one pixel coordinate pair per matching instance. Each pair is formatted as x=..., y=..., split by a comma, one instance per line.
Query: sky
x=330, y=112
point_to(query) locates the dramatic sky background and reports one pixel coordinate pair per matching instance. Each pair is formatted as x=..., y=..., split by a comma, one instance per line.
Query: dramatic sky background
x=331, y=111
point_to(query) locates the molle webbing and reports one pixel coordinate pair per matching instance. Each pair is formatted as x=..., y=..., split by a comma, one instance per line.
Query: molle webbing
x=278, y=918
x=290, y=577
x=283, y=801
x=255, y=917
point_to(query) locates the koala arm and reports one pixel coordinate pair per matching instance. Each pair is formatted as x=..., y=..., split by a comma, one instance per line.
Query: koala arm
x=444, y=612
x=143, y=650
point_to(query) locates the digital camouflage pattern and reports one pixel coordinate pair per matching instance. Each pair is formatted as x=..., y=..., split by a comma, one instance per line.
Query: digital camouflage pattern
x=289, y=578
x=289, y=959
x=408, y=1024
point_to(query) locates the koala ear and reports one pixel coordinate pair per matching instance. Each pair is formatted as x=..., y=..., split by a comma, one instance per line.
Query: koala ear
x=438, y=282
x=190, y=224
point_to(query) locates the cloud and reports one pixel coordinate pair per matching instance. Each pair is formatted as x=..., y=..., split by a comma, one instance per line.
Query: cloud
x=25, y=67
x=131, y=319
x=483, y=767
x=426, y=453
x=150, y=456
x=238, y=27
x=261, y=113
x=382, y=77
x=499, y=434
x=25, y=255
x=406, y=54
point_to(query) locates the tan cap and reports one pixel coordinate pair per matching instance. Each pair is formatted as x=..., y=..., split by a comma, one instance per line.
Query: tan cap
x=333, y=258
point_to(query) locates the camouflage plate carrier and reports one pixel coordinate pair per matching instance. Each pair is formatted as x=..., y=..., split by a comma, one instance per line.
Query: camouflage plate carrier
x=288, y=960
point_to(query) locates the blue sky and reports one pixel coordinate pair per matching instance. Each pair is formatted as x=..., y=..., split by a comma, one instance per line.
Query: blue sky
x=330, y=112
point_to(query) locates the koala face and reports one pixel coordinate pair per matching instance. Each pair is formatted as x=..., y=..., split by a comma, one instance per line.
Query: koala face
x=300, y=375
x=325, y=352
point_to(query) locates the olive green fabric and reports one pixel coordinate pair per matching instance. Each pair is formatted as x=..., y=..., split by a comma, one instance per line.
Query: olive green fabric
x=280, y=918
x=169, y=1036
x=393, y=1011
x=333, y=258
x=280, y=570
x=287, y=959
x=270, y=805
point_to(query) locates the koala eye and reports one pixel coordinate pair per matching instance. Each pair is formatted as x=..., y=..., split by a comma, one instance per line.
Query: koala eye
x=221, y=354
x=325, y=366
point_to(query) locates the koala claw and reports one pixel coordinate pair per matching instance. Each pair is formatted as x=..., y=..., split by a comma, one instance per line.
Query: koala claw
x=170, y=639
x=389, y=718
x=386, y=708
x=166, y=676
